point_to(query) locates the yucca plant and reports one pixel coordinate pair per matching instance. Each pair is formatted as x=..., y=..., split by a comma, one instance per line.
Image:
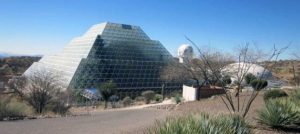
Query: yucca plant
x=202, y=124
x=296, y=94
x=295, y=98
x=279, y=113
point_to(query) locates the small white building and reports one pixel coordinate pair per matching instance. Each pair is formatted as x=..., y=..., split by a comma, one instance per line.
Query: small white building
x=189, y=93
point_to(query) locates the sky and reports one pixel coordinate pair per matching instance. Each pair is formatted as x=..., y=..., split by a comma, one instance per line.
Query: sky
x=46, y=26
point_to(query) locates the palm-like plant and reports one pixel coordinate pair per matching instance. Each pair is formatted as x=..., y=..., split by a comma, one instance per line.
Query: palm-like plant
x=106, y=90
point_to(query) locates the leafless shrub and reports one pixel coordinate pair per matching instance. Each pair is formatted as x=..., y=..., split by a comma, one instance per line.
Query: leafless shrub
x=208, y=67
x=244, y=55
x=41, y=88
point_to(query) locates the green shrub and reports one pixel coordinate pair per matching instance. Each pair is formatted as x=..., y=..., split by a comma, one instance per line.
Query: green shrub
x=127, y=101
x=203, y=124
x=249, y=78
x=227, y=79
x=13, y=110
x=177, y=98
x=279, y=113
x=158, y=98
x=296, y=94
x=175, y=93
x=259, y=84
x=148, y=96
x=139, y=98
x=58, y=107
x=274, y=93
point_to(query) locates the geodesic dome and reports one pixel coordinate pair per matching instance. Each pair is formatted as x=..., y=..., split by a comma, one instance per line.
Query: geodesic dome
x=241, y=68
x=185, y=52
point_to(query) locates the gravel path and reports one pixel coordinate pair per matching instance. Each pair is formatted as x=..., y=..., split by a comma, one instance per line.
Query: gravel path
x=106, y=122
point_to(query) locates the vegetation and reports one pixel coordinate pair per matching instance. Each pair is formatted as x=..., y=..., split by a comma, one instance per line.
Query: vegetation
x=209, y=67
x=296, y=94
x=227, y=79
x=279, y=114
x=177, y=98
x=249, y=78
x=139, y=98
x=61, y=103
x=38, y=89
x=203, y=124
x=273, y=94
x=127, y=101
x=107, y=89
x=288, y=70
x=148, y=96
x=42, y=90
x=259, y=84
x=13, y=66
x=158, y=98
x=12, y=109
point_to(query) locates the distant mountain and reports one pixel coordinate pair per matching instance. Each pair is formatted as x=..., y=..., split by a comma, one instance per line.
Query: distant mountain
x=6, y=54
x=14, y=66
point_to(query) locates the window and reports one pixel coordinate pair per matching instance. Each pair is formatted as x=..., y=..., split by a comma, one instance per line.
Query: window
x=124, y=26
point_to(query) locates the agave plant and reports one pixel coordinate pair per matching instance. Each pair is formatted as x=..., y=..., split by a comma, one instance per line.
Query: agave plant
x=279, y=113
x=296, y=94
x=202, y=124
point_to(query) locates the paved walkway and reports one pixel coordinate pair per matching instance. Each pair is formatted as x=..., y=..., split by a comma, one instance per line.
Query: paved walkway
x=106, y=122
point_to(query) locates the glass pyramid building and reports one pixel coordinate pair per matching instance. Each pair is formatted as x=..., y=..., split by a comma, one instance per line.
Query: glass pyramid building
x=110, y=51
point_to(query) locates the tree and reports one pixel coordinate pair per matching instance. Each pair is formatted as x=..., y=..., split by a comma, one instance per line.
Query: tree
x=107, y=89
x=39, y=88
x=42, y=88
x=209, y=67
x=197, y=69
x=18, y=84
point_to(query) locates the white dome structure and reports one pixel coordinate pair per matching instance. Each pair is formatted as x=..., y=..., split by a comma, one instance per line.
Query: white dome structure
x=245, y=68
x=185, y=52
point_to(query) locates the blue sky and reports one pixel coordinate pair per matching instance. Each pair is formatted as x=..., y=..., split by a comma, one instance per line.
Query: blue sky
x=45, y=27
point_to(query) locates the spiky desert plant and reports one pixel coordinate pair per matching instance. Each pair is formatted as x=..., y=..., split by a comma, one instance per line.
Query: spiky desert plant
x=279, y=113
x=202, y=124
x=296, y=94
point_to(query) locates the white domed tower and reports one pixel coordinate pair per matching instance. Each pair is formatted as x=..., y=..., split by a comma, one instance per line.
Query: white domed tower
x=185, y=53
